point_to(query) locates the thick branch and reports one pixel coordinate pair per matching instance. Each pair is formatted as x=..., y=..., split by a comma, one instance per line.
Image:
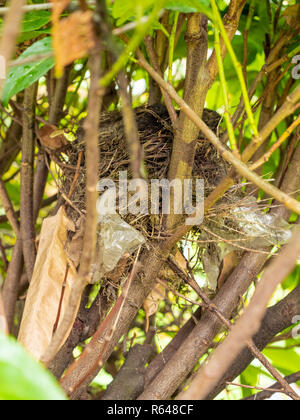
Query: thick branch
x=248, y=324
x=196, y=87
x=200, y=339
x=277, y=319
x=129, y=382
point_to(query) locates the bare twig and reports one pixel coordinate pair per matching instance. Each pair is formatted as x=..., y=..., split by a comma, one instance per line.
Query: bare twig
x=240, y=166
x=45, y=203
x=135, y=150
x=155, y=63
x=4, y=257
x=250, y=344
x=27, y=8
x=267, y=393
x=89, y=244
x=258, y=388
x=248, y=324
x=276, y=145
x=11, y=285
x=104, y=332
x=27, y=175
x=9, y=209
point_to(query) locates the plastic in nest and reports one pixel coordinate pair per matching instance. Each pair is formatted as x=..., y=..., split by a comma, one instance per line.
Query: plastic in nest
x=116, y=238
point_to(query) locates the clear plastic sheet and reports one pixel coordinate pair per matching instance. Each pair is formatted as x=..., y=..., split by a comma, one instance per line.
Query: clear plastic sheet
x=116, y=238
x=262, y=229
x=245, y=227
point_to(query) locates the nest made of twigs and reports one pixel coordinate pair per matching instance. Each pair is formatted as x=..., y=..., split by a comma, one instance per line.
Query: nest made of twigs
x=156, y=136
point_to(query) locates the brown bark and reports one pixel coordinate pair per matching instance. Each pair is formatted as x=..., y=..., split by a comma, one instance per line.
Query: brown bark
x=130, y=380
x=92, y=163
x=291, y=379
x=198, y=342
x=27, y=174
x=10, y=147
x=11, y=285
x=277, y=319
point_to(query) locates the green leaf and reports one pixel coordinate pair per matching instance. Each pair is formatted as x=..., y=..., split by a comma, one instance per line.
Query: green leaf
x=285, y=360
x=190, y=6
x=293, y=280
x=31, y=35
x=129, y=9
x=20, y=77
x=22, y=378
x=35, y=20
x=250, y=377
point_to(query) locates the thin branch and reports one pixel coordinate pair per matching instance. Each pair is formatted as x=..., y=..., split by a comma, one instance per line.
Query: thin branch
x=240, y=166
x=27, y=8
x=277, y=319
x=105, y=332
x=258, y=388
x=267, y=393
x=27, y=175
x=45, y=203
x=135, y=149
x=250, y=344
x=276, y=145
x=11, y=285
x=90, y=237
x=9, y=209
x=4, y=257
x=155, y=62
x=248, y=324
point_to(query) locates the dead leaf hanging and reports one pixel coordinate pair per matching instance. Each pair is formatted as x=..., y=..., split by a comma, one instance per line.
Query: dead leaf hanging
x=58, y=7
x=73, y=38
x=152, y=302
x=52, y=138
x=43, y=301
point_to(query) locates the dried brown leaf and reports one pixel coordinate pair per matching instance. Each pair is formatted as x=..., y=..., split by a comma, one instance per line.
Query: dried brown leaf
x=73, y=38
x=152, y=301
x=74, y=247
x=52, y=138
x=43, y=301
x=292, y=15
x=58, y=7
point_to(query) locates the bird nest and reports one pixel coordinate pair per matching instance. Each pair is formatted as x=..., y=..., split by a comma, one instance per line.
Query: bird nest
x=236, y=221
x=156, y=137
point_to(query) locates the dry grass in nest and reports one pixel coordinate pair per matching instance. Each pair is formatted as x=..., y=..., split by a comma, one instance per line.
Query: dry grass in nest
x=156, y=137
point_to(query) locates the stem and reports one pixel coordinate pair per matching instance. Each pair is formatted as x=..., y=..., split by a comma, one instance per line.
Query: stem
x=237, y=65
x=92, y=164
x=276, y=146
x=132, y=46
x=172, y=47
x=27, y=176
x=240, y=166
x=229, y=125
